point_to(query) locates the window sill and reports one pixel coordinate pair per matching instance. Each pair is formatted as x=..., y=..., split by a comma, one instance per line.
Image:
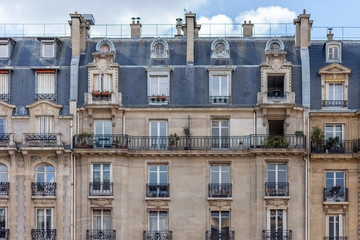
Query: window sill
x=157, y=199
x=335, y=203
x=97, y=197
x=43, y=197
x=276, y=197
x=219, y=198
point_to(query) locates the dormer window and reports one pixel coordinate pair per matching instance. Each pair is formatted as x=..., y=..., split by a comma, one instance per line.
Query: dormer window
x=105, y=46
x=220, y=49
x=6, y=45
x=333, y=51
x=48, y=50
x=159, y=49
x=4, y=50
x=274, y=47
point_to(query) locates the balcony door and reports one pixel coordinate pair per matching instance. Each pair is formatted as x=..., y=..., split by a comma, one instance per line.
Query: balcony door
x=220, y=225
x=103, y=133
x=158, y=135
x=335, y=225
x=101, y=177
x=44, y=223
x=276, y=224
x=44, y=125
x=3, y=223
x=158, y=221
x=276, y=180
x=335, y=178
x=220, y=181
x=220, y=134
x=158, y=181
x=101, y=223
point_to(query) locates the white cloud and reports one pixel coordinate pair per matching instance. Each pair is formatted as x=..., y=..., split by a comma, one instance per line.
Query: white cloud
x=217, y=26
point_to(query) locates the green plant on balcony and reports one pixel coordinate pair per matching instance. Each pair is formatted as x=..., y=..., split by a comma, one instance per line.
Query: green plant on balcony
x=334, y=144
x=83, y=139
x=275, y=142
x=173, y=139
x=299, y=132
x=187, y=135
x=317, y=136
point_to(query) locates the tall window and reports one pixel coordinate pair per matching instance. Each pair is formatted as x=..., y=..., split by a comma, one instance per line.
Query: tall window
x=45, y=174
x=335, y=186
x=4, y=184
x=44, y=219
x=277, y=224
x=44, y=125
x=334, y=130
x=335, y=226
x=46, y=85
x=220, y=181
x=220, y=224
x=102, y=220
x=4, y=85
x=158, y=221
x=4, y=50
x=158, y=181
x=3, y=222
x=276, y=183
x=158, y=134
x=103, y=82
x=220, y=134
x=101, y=179
x=103, y=133
x=158, y=91
x=219, y=89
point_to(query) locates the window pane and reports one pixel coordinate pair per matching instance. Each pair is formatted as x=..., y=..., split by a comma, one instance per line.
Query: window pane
x=4, y=50
x=163, y=177
x=154, y=86
x=224, y=90
x=163, y=222
x=153, y=221
x=154, y=129
x=163, y=129
x=2, y=218
x=162, y=86
x=48, y=50
x=163, y=167
x=215, y=222
x=4, y=83
x=216, y=86
x=152, y=178
x=40, y=219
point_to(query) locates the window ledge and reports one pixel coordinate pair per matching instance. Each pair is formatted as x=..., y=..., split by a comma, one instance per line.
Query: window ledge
x=43, y=197
x=335, y=203
x=97, y=197
x=157, y=199
x=4, y=197
x=220, y=198
x=276, y=197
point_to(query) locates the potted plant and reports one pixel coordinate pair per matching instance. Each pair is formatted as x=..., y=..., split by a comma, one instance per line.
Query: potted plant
x=187, y=135
x=83, y=139
x=334, y=191
x=96, y=93
x=275, y=142
x=173, y=140
x=334, y=145
x=163, y=97
x=317, y=140
x=299, y=132
x=105, y=92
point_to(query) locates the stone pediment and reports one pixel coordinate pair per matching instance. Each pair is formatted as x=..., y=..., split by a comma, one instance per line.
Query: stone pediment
x=334, y=68
x=43, y=102
x=6, y=109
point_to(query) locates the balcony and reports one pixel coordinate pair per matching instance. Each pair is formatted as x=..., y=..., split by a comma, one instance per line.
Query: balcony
x=101, y=189
x=43, y=189
x=335, y=194
x=220, y=190
x=276, y=189
x=220, y=99
x=335, y=238
x=4, y=97
x=276, y=97
x=95, y=234
x=158, y=190
x=277, y=235
x=215, y=235
x=189, y=143
x=45, y=96
x=43, y=234
x=157, y=235
x=7, y=140
x=4, y=234
x=334, y=103
x=158, y=99
x=335, y=146
x=103, y=98
x=42, y=140
x=4, y=189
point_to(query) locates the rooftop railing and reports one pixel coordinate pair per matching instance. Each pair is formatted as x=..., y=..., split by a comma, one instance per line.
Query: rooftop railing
x=169, y=30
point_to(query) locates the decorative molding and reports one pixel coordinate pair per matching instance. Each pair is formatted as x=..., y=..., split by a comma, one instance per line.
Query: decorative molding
x=336, y=208
x=101, y=202
x=276, y=203
x=157, y=203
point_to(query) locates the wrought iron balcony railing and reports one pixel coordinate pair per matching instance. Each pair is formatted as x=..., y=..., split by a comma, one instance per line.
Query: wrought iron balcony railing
x=220, y=190
x=331, y=146
x=44, y=189
x=45, y=96
x=4, y=189
x=334, y=103
x=335, y=238
x=220, y=99
x=43, y=234
x=7, y=140
x=277, y=189
x=102, y=98
x=96, y=234
x=101, y=189
x=42, y=140
x=4, y=97
x=157, y=235
x=157, y=190
x=188, y=143
x=158, y=99
x=277, y=235
x=335, y=194
x=4, y=234
x=216, y=235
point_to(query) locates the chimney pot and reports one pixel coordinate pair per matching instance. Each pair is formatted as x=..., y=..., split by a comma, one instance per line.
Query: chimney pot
x=249, y=21
x=75, y=12
x=138, y=20
x=304, y=11
x=247, y=29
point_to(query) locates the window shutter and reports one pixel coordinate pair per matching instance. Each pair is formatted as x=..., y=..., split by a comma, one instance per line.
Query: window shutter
x=46, y=83
x=4, y=83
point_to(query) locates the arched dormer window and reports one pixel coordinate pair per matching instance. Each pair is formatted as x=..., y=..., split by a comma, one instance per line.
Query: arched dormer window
x=105, y=46
x=333, y=51
x=159, y=49
x=274, y=45
x=220, y=48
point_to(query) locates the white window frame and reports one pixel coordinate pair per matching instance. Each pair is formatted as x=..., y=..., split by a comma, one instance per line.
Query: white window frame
x=3, y=121
x=220, y=219
x=342, y=222
x=153, y=45
x=268, y=219
x=277, y=170
x=220, y=172
x=102, y=219
x=6, y=217
x=45, y=172
x=225, y=54
x=102, y=77
x=101, y=171
x=158, y=220
x=5, y=172
x=223, y=72
x=158, y=141
x=45, y=120
x=163, y=73
x=52, y=217
x=334, y=90
x=220, y=137
x=334, y=125
x=334, y=178
x=47, y=43
x=158, y=171
x=4, y=86
x=330, y=47
x=7, y=50
x=41, y=90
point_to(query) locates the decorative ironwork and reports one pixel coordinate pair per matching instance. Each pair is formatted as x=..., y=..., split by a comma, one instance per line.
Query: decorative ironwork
x=159, y=99
x=279, y=189
x=4, y=189
x=102, y=97
x=220, y=99
x=334, y=103
x=157, y=235
x=101, y=141
x=43, y=234
x=277, y=235
x=45, y=96
x=4, y=97
x=96, y=234
x=216, y=235
x=335, y=146
x=4, y=137
x=220, y=190
x=101, y=189
x=40, y=137
x=335, y=238
x=4, y=234
x=157, y=190
x=276, y=94
x=43, y=188
x=335, y=194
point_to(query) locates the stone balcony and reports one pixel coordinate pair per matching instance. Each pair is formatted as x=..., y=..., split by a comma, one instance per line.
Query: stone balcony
x=276, y=98
x=113, y=98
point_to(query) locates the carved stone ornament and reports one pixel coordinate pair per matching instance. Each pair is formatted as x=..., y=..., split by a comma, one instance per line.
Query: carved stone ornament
x=101, y=202
x=34, y=158
x=276, y=202
x=20, y=161
x=219, y=204
x=335, y=208
x=158, y=204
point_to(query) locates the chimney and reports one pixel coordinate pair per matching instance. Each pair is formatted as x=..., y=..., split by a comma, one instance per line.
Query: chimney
x=247, y=29
x=330, y=35
x=303, y=26
x=135, y=27
x=178, y=27
x=191, y=30
x=80, y=26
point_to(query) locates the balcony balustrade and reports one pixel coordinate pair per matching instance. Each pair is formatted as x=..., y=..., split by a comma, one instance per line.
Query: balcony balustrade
x=157, y=235
x=158, y=190
x=44, y=189
x=7, y=140
x=335, y=194
x=276, y=189
x=45, y=96
x=101, y=141
x=4, y=189
x=42, y=140
x=96, y=234
x=335, y=146
x=43, y=234
x=334, y=103
x=277, y=235
x=101, y=189
x=220, y=190
x=4, y=234
x=4, y=97
x=335, y=238
x=216, y=235
x=103, y=98
x=220, y=99
x=276, y=96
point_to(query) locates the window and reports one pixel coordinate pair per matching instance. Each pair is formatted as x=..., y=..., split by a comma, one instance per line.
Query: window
x=103, y=133
x=333, y=53
x=2, y=127
x=335, y=226
x=158, y=135
x=276, y=86
x=158, y=181
x=44, y=224
x=44, y=125
x=48, y=50
x=3, y=223
x=220, y=185
x=105, y=48
x=334, y=94
x=220, y=49
x=103, y=82
x=277, y=223
x=158, y=221
x=45, y=174
x=101, y=180
x=101, y=220
x=276, y=180
x=220, y=134
x=333, y=131
x=45, y=183
x=220, y=225
x=4, y=50
x=4, y=184
x=220, y=89
x=274, y=46
x=159, y=49
x=4, y=85
x=158, y=89
x=335, y=189
x=45, y=85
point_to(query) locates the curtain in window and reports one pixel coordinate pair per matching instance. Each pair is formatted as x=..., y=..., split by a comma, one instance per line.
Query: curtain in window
x=46, y=83
x=4, y=81
x=158, y=85
x=107, y=219
x=219, y=86
x=335, y=92
x=44, y=125
x=97, y=219
x=102, y=82
x=107, y=82
x=40, y=219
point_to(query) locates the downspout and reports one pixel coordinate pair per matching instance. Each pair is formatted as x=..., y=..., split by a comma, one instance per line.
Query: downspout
x=307, y=182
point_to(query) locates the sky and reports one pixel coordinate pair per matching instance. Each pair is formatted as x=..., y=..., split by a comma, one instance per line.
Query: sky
x=323, y=12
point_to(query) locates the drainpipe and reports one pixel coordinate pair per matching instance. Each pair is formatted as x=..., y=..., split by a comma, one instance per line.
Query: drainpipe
x=307, y=183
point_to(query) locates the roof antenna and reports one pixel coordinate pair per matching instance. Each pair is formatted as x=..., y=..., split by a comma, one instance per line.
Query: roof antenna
x=185, y=11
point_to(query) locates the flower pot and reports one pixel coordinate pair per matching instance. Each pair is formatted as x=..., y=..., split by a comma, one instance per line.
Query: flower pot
x=96, y=93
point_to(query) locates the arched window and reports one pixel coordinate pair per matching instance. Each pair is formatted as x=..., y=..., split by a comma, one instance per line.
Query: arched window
x=220, y=48
x=3, y=173
x=45, y=173
x=4, y=184
x=45, y=184
x=159, y=49
x=275, y=46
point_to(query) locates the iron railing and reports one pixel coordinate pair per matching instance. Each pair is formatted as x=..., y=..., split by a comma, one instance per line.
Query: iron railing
x=158, y=99
x=189, y=143
x=101, y=97
x=4, y=97
x=101, y=189
x=277, y=94
x=43, y=234
x=220, y=190
x=96, y=234
x=216, y=235
x=335, y=238
x=277, y=235
x=45, y=96
x=277, y=189
x=6, y=139
x=344, y=146
x=43, y=189
x=334, y=103
x=220, y=99
x=40, y=137
x=157, y=235
x=157, y=190
x=4, y=234
x=4, y=189
x=335, y=194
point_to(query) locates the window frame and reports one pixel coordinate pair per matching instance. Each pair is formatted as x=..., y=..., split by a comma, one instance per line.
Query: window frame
x=43, y=121
x=5, y=96
x=48, y=43
x=101, y=171
x=341, y=224
x=153, y=54
x=284, y=219
x=333, y=45
x=158, y=220
x=217, y=141
x=223, y=72
x=276, y=171
x=225, y=54
x=220, y=219
x=334, y=125
x=47, y=96
x=4, y=172
x=102, y=82
x=102, y=218
x=7, y=47
x=6, y=217
x=52, y=217
x=158, y=72
x=158, y=173
x=45, y=173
